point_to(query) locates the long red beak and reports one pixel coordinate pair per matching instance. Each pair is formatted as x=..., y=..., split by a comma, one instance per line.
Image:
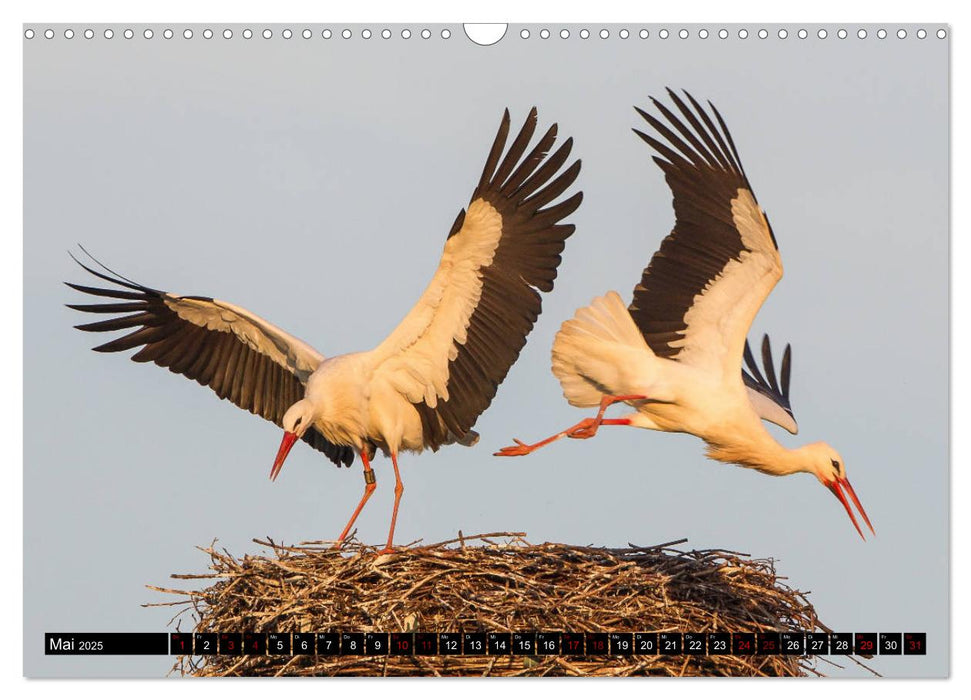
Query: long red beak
x=834, y=486
x=281, y=455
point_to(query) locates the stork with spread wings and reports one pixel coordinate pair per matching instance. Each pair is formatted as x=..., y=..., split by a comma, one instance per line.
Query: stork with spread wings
x=675, y=353
x=429, y=381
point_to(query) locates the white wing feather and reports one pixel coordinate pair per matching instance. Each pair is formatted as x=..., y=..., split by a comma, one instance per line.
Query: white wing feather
x=257, y=333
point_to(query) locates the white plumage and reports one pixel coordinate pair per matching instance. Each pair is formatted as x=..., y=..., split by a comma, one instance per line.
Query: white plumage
x=428, y=382
x=675, y=354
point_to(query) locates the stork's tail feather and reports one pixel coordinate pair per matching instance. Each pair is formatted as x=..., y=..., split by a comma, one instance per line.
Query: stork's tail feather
x=595, y=352
x=470, y=439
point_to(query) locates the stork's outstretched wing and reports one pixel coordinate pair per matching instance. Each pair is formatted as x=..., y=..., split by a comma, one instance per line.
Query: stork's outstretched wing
x=701, y=290
x=452, y=350
x=769, y=397
x=237, y=354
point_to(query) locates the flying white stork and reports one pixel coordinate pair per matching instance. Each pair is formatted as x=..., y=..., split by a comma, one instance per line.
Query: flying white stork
x=675, y=353
x=426, y=383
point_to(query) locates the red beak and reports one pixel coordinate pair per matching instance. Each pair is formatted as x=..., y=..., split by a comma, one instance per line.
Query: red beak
x=834, y=486
x=281, y=455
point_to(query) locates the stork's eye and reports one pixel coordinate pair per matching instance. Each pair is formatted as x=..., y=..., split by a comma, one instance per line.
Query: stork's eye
x=297, y=425
x=836, y=465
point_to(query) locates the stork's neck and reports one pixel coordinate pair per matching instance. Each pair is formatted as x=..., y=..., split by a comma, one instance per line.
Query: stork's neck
x=757, y=449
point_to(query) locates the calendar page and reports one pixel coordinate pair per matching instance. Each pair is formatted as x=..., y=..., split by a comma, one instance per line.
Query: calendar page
x=563, y=297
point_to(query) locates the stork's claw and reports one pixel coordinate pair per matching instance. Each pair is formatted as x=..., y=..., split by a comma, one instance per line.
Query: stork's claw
x=586, y=429
x=582, y=433
x=517, y=450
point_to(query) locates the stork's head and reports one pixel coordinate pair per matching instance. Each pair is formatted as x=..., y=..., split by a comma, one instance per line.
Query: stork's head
x=829, y=468
x=296, y=421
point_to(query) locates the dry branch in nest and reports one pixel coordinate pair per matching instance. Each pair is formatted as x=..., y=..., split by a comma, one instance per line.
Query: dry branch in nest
x=508, y=586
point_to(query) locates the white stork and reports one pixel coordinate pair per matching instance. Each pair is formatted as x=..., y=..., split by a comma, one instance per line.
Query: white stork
x=430, y=379
x=675, y=354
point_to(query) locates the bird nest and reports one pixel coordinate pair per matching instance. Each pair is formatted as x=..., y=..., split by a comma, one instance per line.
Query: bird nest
x=493, y=583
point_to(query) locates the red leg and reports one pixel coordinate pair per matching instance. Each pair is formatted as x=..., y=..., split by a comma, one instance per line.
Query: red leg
x=586, y=428
x=588, y=431
x=399, y=489
x=369, y=485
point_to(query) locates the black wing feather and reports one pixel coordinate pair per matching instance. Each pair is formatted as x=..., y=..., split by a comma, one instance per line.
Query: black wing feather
x=767, y=385
x=704, y=172
x=524, y=264
x=213, y=358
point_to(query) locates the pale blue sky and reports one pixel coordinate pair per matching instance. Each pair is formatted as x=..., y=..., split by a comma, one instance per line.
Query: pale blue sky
x=314, y=183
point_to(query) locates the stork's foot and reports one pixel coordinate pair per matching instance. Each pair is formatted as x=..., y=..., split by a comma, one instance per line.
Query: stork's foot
x=517, y=450
x=586, y=428
x=386, y=550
